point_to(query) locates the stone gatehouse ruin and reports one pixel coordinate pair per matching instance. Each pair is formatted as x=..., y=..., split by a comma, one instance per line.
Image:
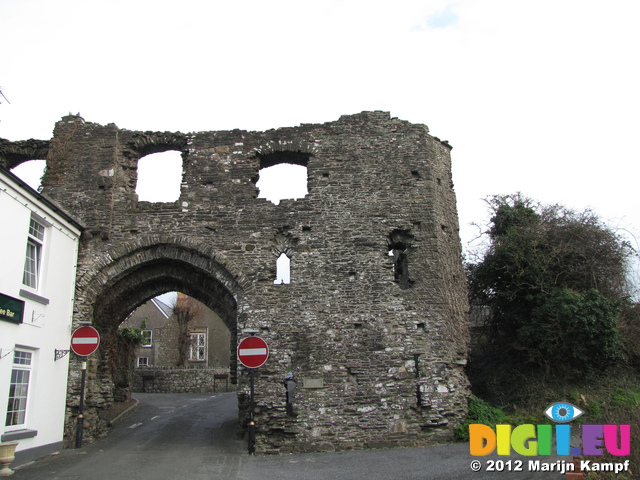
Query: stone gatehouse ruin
x=372, y=324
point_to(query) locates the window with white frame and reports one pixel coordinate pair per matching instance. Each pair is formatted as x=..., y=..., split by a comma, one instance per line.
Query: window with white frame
x=19, y=389
x=143, y=361
x=198, y=351
x=147, y=338
x=33, y=257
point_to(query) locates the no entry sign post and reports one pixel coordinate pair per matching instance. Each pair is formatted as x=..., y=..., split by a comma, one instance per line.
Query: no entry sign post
x=252, y=353
x=84, y=341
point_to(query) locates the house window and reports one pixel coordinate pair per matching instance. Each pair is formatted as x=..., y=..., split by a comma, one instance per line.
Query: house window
x=198, y=351
x=35, y=240
x=143, y=361
x=18, y=389
x=147, y=338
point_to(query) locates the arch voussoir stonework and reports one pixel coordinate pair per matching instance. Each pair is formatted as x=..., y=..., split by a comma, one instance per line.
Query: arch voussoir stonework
x=111, y=267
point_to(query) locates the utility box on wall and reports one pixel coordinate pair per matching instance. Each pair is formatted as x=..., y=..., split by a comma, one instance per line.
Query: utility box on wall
x=372, y=324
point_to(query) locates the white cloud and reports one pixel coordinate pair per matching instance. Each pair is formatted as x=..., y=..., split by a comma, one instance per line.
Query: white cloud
x=443, y=18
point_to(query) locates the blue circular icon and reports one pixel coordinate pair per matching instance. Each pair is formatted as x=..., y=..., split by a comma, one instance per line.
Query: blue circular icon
x=563, y=412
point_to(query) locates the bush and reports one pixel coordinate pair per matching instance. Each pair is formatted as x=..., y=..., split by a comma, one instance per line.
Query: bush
x=479, y=412
x=573, y=332
x=553, y=281
x=629, y=327
x=131, y=335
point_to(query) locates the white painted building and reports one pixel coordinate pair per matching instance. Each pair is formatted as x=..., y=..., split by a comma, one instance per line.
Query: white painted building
x=38, y=257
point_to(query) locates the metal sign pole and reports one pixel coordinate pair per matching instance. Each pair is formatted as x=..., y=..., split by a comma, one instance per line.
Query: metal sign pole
x=252, y=423
x=80, y=425
x=252, y=353
x=84, y=341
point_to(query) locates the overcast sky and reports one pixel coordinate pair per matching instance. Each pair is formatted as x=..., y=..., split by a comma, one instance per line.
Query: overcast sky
x=537, y=96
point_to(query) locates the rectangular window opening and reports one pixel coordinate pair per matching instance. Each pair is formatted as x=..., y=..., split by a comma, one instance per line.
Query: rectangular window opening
x=159, y=177
x=147, y=338
x=19, y=389
x=198, y=350
x=33, y=258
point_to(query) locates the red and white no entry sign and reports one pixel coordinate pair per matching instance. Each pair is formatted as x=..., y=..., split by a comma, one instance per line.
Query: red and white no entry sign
x=253, y=352
x=85, y=341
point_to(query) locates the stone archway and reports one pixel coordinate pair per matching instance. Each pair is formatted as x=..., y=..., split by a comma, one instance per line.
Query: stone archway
x=124, y=278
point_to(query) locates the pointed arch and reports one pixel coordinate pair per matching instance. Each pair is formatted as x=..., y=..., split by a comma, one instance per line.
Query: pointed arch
x=130, y=275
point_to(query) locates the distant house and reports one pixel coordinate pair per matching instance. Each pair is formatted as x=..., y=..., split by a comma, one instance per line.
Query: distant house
x=150, y=318
x=39, y=245
x=208, y=337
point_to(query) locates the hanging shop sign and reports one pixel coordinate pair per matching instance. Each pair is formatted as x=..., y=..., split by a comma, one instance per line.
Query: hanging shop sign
x=11, y=309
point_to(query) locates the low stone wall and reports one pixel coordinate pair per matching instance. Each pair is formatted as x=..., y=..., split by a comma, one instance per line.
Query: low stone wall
x=182, y=380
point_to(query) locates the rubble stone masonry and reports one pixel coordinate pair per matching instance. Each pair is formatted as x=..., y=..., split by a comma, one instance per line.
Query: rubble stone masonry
x=376, y=343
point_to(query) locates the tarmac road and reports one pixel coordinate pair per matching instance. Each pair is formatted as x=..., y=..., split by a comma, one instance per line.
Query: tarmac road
x=192, y=437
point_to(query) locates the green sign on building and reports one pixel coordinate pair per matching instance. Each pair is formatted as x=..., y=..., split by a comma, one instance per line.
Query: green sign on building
x=11, y=309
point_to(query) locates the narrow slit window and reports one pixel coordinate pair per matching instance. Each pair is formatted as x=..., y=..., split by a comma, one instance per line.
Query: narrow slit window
x=400, y=267
x=400, y=249
x=159, y=177
x=283, y=270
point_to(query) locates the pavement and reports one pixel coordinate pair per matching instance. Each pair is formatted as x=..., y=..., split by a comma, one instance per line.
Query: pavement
x=193, y=437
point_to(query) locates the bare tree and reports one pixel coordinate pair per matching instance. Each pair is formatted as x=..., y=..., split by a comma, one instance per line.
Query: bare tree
x=185, y=309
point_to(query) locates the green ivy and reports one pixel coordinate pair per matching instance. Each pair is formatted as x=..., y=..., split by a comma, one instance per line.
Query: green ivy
x=131, y=335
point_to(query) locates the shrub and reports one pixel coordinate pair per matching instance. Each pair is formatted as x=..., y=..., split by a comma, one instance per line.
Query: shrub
x=553, y=281
x=131, y=335
x=479, y=412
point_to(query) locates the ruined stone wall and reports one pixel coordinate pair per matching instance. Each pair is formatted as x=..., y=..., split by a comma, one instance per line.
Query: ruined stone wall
x=377, y=350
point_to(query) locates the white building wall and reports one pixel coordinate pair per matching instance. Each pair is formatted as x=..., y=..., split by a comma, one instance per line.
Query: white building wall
x=47, y=315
